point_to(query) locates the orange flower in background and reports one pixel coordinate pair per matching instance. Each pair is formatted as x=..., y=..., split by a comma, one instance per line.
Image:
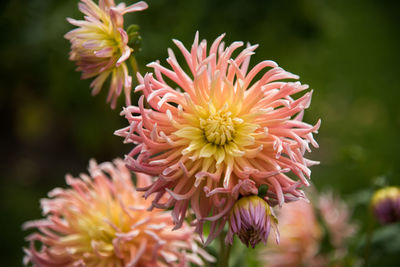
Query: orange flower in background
x=222, y=133
x=99, y=46
x=102, y=221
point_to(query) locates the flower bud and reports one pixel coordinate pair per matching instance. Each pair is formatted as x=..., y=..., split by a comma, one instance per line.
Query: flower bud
x=251, y=219
x=386, y=204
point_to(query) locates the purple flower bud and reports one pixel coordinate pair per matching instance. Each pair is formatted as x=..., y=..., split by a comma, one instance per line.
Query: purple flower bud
x=251, y=219
x=386, y=204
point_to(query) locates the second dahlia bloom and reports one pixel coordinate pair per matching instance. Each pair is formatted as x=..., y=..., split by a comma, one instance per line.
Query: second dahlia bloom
x=102, y=221
x=221, y=134
x=100, y=46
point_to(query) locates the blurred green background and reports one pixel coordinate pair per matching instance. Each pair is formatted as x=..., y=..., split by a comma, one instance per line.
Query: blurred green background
x=347, y=51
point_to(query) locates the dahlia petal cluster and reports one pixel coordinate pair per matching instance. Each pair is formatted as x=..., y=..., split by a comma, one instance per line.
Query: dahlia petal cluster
x=386, y=204
x=102, y=221
x=224, y=131
x=100, y=46
x=251, y=220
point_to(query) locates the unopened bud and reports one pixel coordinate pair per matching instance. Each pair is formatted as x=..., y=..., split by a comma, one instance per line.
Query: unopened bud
x=251, y=219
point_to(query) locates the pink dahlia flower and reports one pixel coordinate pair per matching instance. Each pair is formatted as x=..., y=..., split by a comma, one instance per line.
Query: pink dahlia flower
x=100, y=46
x=251, y=220
x=222, y=133
x=102, y=221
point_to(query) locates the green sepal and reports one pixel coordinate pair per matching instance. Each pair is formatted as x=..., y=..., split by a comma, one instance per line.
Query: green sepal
x=262, y=190
x=134, y=38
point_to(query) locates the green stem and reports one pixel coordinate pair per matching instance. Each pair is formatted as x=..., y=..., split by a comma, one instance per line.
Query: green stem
x=135, y=69
x=227, y=254
x=224, y=252
x=134, y=65
x=370, y=233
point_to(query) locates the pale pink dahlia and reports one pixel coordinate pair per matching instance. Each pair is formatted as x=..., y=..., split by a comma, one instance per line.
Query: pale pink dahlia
x=100, y=46
x=102, y=221
x=222, y=133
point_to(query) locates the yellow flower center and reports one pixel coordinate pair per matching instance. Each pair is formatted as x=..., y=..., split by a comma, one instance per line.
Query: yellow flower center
x=218, y=128
x=93, y=230
x=217, y=132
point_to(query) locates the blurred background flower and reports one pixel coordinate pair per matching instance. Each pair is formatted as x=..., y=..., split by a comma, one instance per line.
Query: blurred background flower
x=101, y=220
x=300, y=235
x=346, y=51
x=304, y=227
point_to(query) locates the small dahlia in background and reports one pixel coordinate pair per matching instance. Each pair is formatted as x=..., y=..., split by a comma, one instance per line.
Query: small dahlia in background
x=386, y=204
x=99, y=46
x=303, y=228
x=336, y=218
x=224, y=131
x=102, y=221
x=251, y=219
